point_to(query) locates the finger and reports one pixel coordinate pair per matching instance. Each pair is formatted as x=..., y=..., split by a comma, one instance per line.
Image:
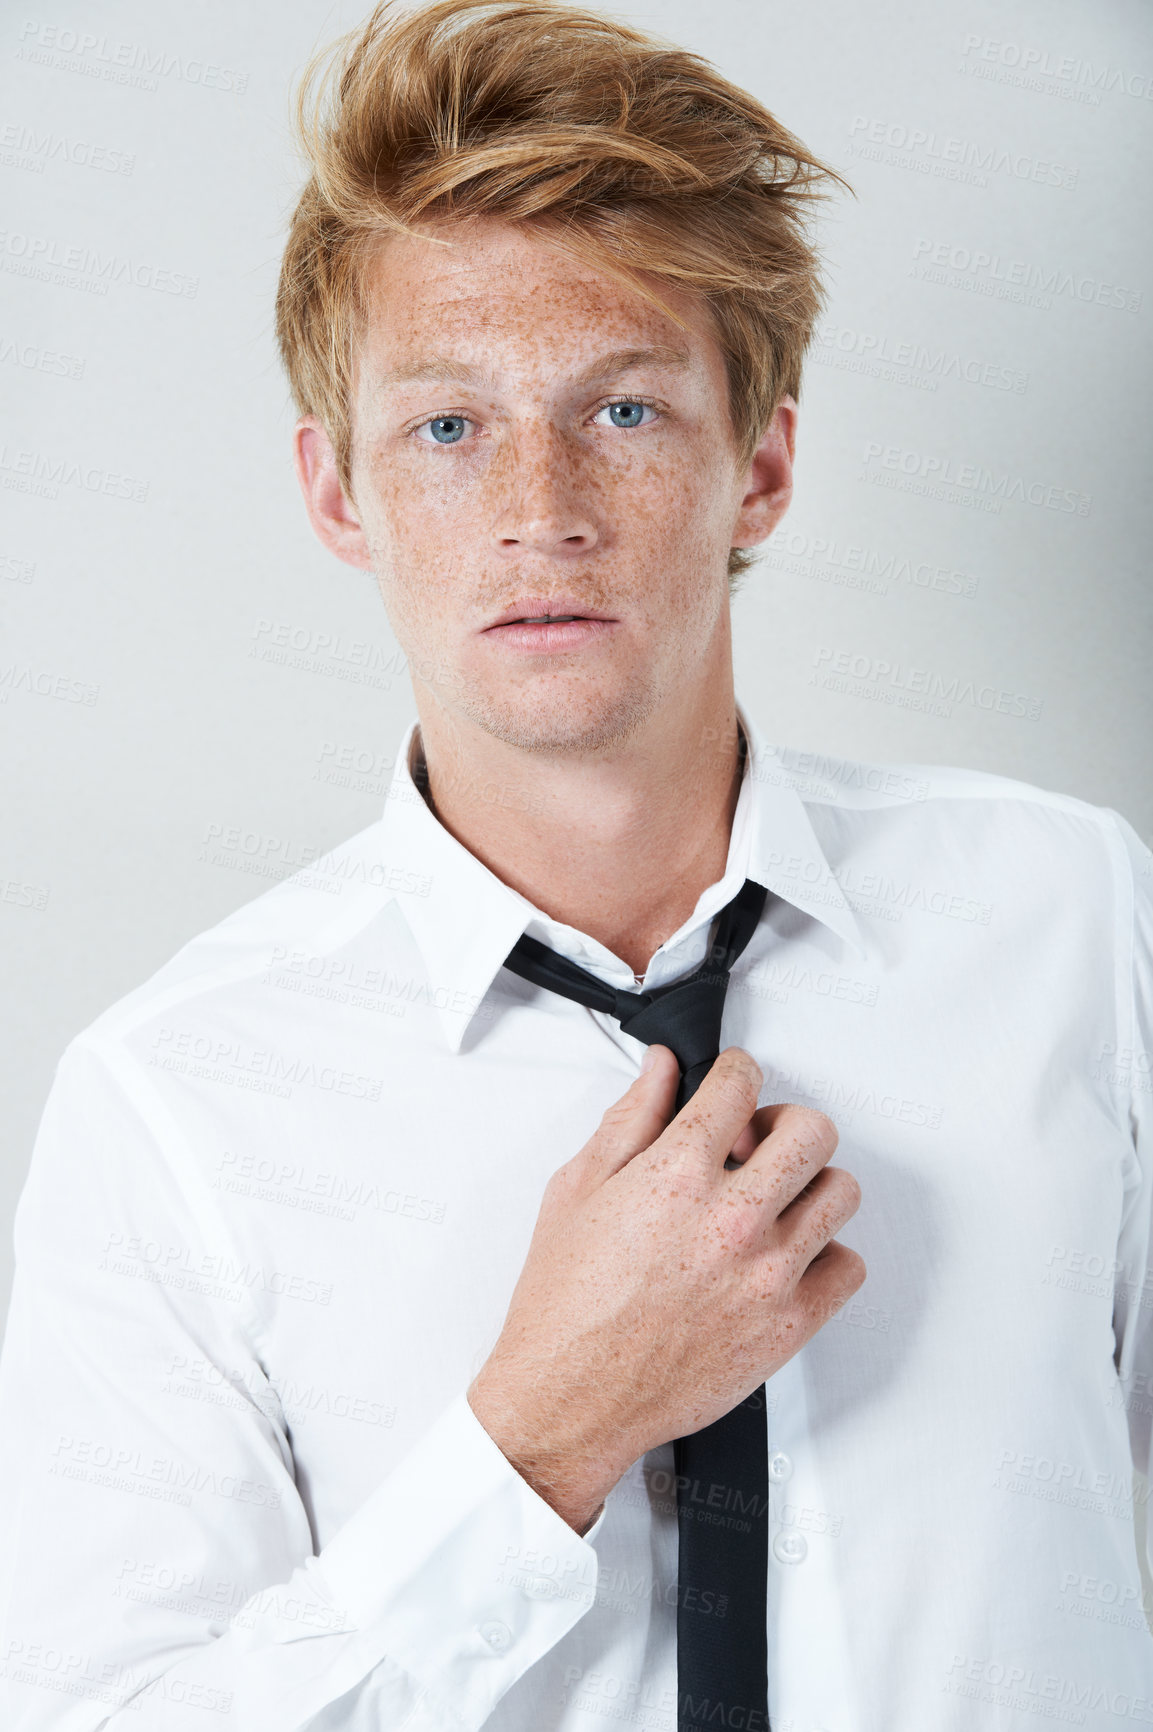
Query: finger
x=799, y=1142
x=831, y=1197
x=636, y=1120
x=835, y=1187
x=760, y=1126
x=711, y=1122
x=832, y=1277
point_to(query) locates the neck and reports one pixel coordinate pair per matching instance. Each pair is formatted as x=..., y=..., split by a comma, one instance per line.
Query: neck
x=619, y=846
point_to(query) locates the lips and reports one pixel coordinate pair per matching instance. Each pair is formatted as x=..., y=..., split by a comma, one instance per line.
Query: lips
x=545, y=629
x=546, y=610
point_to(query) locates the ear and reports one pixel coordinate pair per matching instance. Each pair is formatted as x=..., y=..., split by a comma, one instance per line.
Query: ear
x=331, y=513
x=769, y=481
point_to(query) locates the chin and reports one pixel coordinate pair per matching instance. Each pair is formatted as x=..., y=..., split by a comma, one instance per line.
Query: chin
x=578, y=722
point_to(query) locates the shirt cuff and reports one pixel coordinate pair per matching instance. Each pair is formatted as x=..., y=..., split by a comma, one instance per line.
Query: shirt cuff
x=466, y=1573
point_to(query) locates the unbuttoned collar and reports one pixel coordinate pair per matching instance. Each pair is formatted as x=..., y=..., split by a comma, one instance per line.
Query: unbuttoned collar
x=465, y=920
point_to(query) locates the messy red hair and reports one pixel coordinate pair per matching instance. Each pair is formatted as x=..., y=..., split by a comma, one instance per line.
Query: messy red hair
x=632, y=152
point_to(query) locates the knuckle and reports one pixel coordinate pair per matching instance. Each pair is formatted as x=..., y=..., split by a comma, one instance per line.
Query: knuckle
x=731, y=1091
x=738, y=1215
x=614, y=1118
x=807, y=1126
x=826, y=1220
x=773, y=1282
x=847, y=1186
x=853, y=1267
x=742, y=1063
x=736, y=1078
x=820, y=1127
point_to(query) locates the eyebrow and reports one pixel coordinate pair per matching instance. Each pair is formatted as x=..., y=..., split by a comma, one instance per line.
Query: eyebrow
x=435, y=368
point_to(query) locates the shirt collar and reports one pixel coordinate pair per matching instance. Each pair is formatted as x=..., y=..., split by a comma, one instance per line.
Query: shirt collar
x=465, y=919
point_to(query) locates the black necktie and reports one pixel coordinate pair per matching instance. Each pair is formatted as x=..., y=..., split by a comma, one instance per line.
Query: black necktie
x=722, y=1471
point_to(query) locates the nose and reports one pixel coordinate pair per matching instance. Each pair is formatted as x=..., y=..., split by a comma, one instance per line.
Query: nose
x=545, y=502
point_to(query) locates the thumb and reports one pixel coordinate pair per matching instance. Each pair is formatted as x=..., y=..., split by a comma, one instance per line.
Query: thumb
x=637, y=1119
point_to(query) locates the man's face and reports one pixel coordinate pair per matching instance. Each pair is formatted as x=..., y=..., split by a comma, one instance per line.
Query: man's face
x=532, y=438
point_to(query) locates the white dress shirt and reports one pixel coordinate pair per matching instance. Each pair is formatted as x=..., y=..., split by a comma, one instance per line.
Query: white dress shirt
x=282, y=1192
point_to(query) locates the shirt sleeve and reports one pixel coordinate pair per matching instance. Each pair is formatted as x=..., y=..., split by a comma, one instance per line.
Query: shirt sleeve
x=156, y=1556
x=1127, y=1065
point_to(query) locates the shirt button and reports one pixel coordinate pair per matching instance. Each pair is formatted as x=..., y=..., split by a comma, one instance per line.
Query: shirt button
x=497, y=1635
x=789, y=1547
x=780, y=1466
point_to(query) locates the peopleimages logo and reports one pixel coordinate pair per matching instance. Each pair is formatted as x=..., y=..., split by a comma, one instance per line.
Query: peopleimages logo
x=23, y=147
x=834, y=344
x=1012, y=1684
x=984, y=54
x=935, y=693
x=1009, y=278
x=135, y=63
x=860, y=567
x=44, y=473
x=40, y=360
x=929, y=152
x=52, y=259
x=975, y=478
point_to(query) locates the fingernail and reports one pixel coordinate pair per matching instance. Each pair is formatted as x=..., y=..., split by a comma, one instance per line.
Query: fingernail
x=649, y=1060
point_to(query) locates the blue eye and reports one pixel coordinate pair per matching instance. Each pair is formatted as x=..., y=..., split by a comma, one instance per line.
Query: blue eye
x=626, y=414
x=446, y=429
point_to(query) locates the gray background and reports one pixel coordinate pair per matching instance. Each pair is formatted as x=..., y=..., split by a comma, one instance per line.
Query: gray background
x=974, y=374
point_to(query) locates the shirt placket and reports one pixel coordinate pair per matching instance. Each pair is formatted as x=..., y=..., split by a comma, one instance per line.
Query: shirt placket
x=809, y=1659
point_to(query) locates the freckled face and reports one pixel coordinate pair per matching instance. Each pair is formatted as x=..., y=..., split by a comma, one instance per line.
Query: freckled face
x=530, y=439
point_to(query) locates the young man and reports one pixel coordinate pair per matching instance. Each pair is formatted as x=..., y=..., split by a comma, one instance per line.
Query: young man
x=371, y=1287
